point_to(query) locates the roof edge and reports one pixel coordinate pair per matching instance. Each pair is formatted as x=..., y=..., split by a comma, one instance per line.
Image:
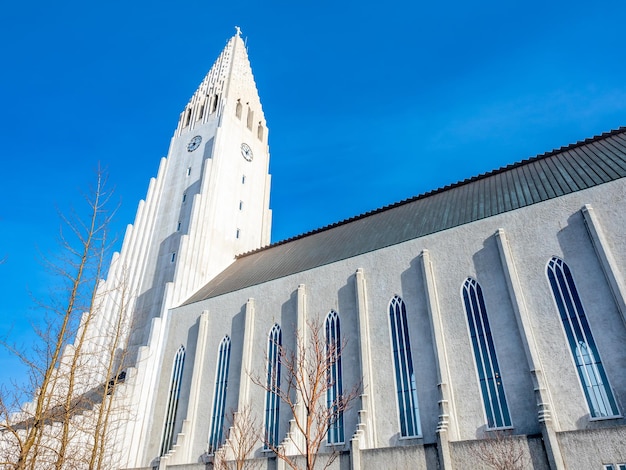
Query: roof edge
x=402, y=202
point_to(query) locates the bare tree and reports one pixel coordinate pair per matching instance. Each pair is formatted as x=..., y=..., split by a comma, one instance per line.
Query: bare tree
x=243, y=435
x=309, y=377
x=55, y=428
x=501, y=451
x=109, y=413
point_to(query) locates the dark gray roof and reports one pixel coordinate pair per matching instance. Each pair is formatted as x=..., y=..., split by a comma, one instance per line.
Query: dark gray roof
x=573, y=168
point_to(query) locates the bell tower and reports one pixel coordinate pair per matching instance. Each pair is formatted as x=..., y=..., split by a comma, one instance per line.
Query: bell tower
x=210, y=199
x=208, y=203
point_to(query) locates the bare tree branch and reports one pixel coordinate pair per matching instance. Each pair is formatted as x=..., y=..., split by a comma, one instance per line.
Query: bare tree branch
x=501, y=451
x=69, y=416
x=308, y=379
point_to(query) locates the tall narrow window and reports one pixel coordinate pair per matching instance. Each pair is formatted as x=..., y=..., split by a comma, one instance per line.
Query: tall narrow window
x=187, y=117
x=238, y=110
x=219, y=398
x=172, y=401
x=491, y=387
x=334, y=392
x=214, y=102
x=201, y=113
x=403, y=365
x=259, y=131
x=582, y=345
x=272, y=401
x=250, y=118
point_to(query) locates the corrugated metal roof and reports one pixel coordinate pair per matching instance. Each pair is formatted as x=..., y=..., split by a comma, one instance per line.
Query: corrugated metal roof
x=579, y=166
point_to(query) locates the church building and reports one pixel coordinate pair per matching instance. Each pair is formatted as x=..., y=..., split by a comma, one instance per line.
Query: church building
x=477, y=322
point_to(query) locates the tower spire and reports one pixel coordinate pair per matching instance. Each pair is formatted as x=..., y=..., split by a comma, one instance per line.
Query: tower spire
x=208, y=203
x=230, y=74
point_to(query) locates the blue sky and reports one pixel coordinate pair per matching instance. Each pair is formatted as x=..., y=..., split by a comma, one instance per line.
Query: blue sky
x=367, y=103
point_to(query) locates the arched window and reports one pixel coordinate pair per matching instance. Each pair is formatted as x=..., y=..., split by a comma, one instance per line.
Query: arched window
x=219, y=397
x=491, y=387
x=250, y=118
x=334, y=392
x=238, y=109
x=272, y=400
x=403, y=365
x=172, y=400
x=582, y=345
x=259, y=131
x=201, y=113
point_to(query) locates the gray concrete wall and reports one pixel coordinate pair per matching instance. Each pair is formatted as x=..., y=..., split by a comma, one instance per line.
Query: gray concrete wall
x=585, y=449
x=413, y=457
x=514, y=452
x=535, y=233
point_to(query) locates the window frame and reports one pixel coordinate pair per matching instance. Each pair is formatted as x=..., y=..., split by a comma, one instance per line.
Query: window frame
x=169, y=421
x=491, y=385
x=334, y=375
x=572, y=330
x=272, y=398
x=405, y=381
x=216, y=431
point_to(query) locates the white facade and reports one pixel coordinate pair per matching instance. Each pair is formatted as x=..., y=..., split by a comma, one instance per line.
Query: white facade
x=508, y=256
x=191, y=296
x=208, y=202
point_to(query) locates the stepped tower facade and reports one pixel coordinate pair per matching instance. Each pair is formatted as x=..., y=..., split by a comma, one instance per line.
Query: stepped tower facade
x=208, y=203
x=210, y=199
x=483, y=320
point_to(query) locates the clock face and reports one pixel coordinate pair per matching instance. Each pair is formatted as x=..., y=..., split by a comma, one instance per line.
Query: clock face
x=246, y=151
x=194, y=143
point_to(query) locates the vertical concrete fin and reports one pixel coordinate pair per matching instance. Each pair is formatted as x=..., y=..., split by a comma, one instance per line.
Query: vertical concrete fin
x=134, y=433
x=301, y=346
x=607, y=261
x=196, y=391
x=447, y=427
x=545, y=411
x=366, y=430
x=246, y=357
x=144, y=392
x=301, y=312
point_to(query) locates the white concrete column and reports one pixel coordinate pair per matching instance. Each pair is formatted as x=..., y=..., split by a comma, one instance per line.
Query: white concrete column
x=607, y=261
x=144, y=228
x=366, y=413
x=355, y=453
x=246, y=357
x=196, y=391
x=134, y=431
x=301, y=348
x=301, y=321
x=244, y=408
x=144, y=392
x=542, y=393
x=447, y=426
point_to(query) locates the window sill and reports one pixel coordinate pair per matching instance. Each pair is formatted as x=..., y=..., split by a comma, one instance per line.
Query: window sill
x=501, y=428
x=605, y=418
x=335, y=444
